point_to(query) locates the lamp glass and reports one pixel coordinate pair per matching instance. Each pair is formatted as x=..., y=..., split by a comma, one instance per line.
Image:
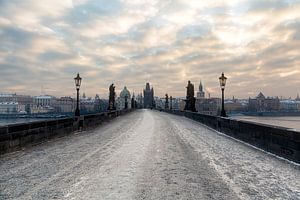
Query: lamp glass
x=77, y=81
x=222, y=80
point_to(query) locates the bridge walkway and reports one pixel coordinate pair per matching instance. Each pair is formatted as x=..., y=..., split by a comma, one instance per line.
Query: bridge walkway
x=147, y=155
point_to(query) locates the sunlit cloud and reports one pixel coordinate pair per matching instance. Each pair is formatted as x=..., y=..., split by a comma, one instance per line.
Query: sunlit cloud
x=285, y=74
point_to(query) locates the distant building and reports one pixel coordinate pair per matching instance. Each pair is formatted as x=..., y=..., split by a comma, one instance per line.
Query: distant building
x=124, y=100
x=34, y=109
x=289, y=105
x=44, y=100
x=208, y=106
x=140, y=100
x=200, y=93
x=92, y=105
x=86, y=104
x=148, y=97
x=263, y=104
x=21, y=99
x=297, y=98
x=43, y=104
x=298, y=105
x=65, y=105
x=99, y=104
x=236, y=105
x=9, y=107
x=175, y=103
x=24, y=101
x=8, y=98
x=159, y=102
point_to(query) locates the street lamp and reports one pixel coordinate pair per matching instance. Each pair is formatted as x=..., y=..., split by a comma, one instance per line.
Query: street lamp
x=77, y=84
x=222, y=80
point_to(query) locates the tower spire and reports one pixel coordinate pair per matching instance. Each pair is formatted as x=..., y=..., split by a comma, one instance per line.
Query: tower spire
x=201, y=93
x=200, y=87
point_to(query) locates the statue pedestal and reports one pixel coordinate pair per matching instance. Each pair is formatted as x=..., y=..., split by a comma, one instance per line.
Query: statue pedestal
x=190, y=104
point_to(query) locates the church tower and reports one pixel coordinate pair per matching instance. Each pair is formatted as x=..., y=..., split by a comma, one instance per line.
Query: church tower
x=201, y=93
x=148, y=97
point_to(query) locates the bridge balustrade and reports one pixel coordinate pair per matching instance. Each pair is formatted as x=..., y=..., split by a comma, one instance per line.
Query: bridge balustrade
x=277, y=140
x=17, y=136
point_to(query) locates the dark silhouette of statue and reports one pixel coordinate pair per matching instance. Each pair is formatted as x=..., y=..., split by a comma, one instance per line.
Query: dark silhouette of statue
x=126, y=102
x=190, y=99
x=149, y=97
x=171, y=104
x=167, y=102
x=133, y=101
x=112, y=96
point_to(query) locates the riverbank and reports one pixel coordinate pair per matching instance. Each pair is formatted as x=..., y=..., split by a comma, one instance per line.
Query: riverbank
x=268, y=114
x=291, y=122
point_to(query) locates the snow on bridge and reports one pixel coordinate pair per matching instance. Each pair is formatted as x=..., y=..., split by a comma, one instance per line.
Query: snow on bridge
x=147, y=155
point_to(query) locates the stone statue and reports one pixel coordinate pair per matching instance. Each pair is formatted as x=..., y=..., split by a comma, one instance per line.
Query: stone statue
x=190, y=90
x=167, y=102
x=126, y=102
x=133, y=102
x=112, y=96
x=190, y=99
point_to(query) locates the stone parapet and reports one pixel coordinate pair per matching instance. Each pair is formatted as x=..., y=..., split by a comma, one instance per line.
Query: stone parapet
x=17, y=136
x=280, y=141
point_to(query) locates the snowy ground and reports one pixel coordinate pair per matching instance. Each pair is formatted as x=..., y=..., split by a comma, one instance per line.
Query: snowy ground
x=147, y=155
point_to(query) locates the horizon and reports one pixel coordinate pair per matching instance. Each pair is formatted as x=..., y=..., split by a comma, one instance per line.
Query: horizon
x=128, y=43
x=161, y=97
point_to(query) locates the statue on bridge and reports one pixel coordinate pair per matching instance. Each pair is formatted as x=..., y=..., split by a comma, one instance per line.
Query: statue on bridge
x=190, y=99
x=133, y=103
x=126, y=102
x=167, y=102
x=112, y=97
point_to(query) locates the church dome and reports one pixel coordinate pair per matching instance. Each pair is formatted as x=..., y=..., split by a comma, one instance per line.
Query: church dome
x=125, y=93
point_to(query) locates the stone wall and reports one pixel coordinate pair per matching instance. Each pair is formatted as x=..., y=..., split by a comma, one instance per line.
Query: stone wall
x=16, y=136
x=277, y=140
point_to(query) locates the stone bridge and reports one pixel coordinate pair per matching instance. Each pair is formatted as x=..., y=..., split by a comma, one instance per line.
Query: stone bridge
x=144, y=154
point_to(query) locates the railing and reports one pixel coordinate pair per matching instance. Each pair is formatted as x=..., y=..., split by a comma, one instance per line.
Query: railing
x=281, y=141
x=16, y=136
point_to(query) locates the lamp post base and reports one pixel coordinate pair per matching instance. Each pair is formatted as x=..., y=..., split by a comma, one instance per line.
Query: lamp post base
x=77, y=113
x=223, y=113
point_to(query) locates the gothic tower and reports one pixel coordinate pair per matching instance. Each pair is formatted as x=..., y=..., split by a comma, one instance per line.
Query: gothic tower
x=201, y=93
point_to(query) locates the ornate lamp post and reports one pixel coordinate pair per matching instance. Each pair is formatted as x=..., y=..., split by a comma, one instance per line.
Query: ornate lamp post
x=77, y=84
x=222, y=80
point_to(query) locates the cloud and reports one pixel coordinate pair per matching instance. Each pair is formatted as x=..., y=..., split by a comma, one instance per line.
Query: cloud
x=130, y=42
x=13, y=38
x=266, y=5
x=54, y=55
x=91, y=9
x=194, y=31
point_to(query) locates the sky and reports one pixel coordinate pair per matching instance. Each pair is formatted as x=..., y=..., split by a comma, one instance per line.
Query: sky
x=45, y=43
